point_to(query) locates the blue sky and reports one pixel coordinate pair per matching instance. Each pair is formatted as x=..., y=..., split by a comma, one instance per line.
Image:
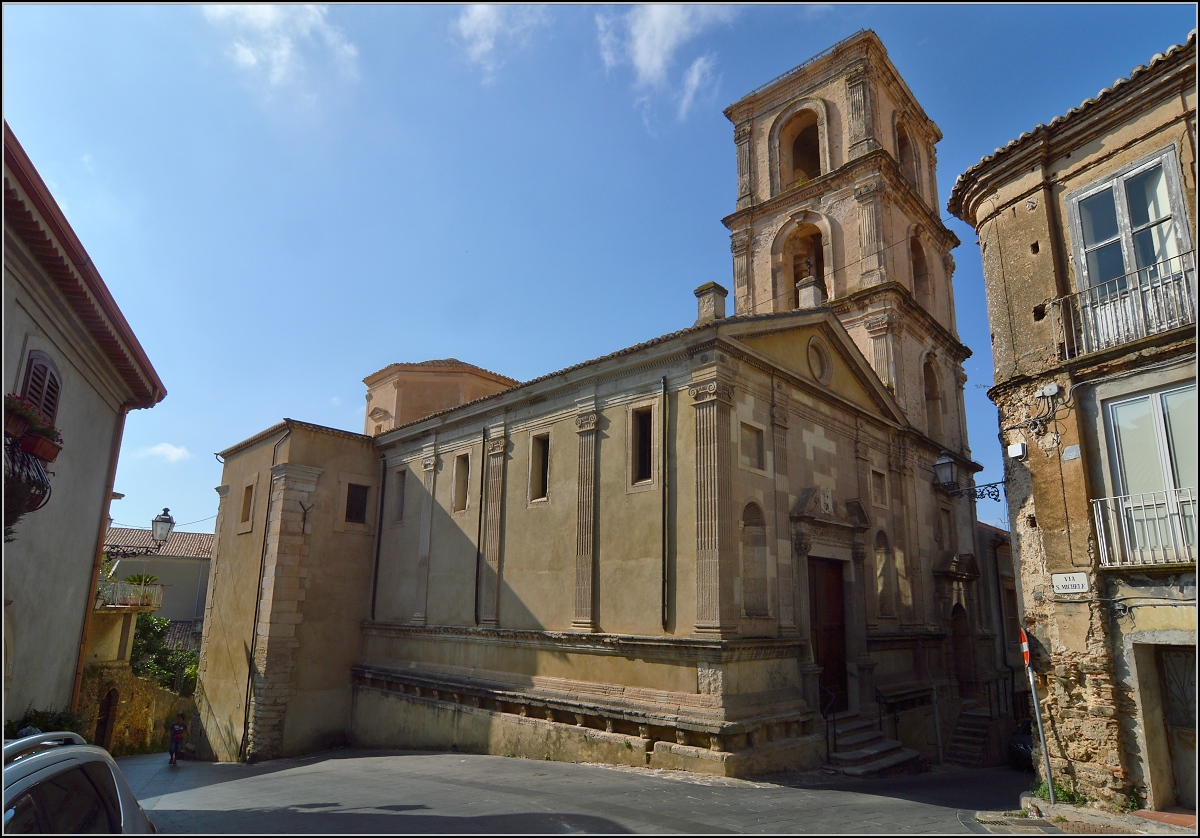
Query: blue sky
x=283, y=200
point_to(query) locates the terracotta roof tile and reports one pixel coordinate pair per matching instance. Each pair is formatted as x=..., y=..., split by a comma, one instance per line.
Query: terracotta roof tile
x=192, y=545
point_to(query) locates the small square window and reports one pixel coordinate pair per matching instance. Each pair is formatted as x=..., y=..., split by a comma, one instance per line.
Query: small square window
x=462, y=477
x=356, y=503
x=539, y=468
x=753, y=449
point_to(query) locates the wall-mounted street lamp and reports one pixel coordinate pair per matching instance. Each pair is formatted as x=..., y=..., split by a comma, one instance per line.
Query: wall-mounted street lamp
x=160, y=531
x=946, y=473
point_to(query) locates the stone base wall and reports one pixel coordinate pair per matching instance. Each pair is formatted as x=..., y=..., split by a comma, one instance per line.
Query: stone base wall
x=387, y=718
x=144, y=710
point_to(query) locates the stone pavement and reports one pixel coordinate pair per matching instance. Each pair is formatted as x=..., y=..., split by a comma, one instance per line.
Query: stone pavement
x=407, y=792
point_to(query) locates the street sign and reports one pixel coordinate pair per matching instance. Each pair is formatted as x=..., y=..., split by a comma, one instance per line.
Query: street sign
x=1070, y=583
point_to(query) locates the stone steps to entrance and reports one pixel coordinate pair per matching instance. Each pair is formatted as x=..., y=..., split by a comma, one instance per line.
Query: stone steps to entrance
x=892, y=761
x=862, y=749
x=968, y=745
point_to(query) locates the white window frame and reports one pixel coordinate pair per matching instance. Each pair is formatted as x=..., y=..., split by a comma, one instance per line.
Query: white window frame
x=1169, y=158
x=1160, y=436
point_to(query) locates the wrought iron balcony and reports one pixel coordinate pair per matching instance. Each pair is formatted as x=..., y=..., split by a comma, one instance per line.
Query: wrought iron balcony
x=1150, y=301
x=27, y=485
x=114, y=594
x=1147, y=530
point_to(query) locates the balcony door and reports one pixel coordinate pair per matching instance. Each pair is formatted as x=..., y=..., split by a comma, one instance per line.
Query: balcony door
x=1154, y=450
x=1130, y=244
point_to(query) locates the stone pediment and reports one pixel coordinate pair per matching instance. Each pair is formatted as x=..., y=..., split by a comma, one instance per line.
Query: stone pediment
x=963, y=566
x=814, y=346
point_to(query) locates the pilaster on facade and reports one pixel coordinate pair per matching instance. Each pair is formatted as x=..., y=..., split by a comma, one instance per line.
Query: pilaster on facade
x=713, y=403
x=869, y=192
x=786, y=587
x=585, y=528
x=861, y=118
x=743, y=277
x=429, y=470
x=213, y=569
x=284, y=580
x=883, y=330
x=488, y=589
x=741, y=137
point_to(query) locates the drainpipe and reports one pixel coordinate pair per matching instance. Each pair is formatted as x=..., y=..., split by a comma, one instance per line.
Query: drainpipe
x=379, y=530
x=663, y=476
x=262, y=569
x=98, y=556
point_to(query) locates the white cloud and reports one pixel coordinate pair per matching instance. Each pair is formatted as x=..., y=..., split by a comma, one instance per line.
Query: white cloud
x=86, y=160
x=167, y=451
x=698, y=77
x=487, y=29
x=280, y=44
x=336, y=401
x=649, y=37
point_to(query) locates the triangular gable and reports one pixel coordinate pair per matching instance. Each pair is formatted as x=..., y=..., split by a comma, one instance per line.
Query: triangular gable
x=786, y=342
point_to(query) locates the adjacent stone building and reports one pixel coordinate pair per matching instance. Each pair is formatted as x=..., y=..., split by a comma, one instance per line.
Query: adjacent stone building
x=1087, y=232
x=723, y=549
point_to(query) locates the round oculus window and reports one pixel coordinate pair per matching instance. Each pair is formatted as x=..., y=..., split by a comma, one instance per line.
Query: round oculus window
x=819, y=362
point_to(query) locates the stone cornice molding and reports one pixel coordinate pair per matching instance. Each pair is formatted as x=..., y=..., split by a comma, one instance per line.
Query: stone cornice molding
x=296, y=471
x=657, y=649
x=899, y=296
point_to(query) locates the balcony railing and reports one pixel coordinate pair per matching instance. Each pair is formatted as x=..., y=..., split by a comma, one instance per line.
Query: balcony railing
x=124, y=594
x=1150, y=301
x=1155, y=528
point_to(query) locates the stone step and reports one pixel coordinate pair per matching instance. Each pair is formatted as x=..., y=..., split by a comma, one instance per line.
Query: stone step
x=970, y=735
x=856, y=726
x=884, y=763
x=849, y=743
x=865, y=754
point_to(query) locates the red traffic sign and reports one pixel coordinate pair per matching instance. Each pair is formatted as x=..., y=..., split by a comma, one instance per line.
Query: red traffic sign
x=1024, y=646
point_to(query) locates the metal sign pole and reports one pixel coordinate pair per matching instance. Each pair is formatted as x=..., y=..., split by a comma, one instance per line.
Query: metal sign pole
x=1037, y=713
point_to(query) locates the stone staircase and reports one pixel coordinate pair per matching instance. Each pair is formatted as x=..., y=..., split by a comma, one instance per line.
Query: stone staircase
x=862, y=750
x=968, y=746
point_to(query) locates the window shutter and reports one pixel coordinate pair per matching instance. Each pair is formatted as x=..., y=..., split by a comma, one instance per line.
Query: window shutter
x=42, y=384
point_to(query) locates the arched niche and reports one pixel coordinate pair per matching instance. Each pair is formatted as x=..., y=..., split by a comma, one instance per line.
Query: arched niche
x=922, y=278
x=908, y=155
x=754, y=562
x=934, y=403
x=803, y=247
x=788, y=134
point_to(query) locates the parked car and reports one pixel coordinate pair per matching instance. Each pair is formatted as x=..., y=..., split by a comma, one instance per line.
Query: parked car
x=56, y=782
x=1020, y=746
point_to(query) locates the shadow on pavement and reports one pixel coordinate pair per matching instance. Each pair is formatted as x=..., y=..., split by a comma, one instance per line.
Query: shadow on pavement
x=371, y=820
x=993, y=789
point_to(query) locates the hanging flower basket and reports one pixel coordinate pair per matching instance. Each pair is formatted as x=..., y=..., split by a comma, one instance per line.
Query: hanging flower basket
x=44, y=448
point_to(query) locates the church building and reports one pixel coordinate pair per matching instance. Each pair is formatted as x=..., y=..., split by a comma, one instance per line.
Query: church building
x=724, y=549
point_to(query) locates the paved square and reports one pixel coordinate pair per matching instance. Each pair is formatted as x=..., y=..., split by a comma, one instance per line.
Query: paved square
x=407, y=792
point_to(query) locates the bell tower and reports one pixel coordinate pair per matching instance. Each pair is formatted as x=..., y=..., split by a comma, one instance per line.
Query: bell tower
x=837, y=207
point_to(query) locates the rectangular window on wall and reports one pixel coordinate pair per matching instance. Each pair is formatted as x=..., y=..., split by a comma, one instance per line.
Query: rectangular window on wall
x=247, y=503
x=1132, y=254
x=462, y=476
x=754, y=452
x=1153, y=450
x=356, y=503
x=539, y=467
x=398, y=494
x=643, y=444
x=879, y=495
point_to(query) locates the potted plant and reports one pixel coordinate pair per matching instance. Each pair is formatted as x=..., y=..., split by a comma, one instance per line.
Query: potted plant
x=42, y=439
x=142, y=580
x=19, y=414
